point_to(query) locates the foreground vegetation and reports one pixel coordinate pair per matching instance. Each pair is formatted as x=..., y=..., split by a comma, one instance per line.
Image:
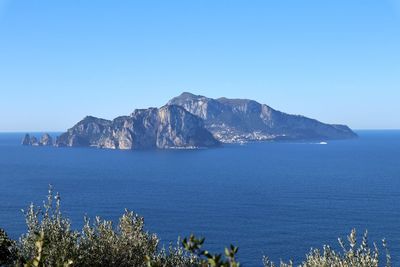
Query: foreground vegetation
x=50, y=241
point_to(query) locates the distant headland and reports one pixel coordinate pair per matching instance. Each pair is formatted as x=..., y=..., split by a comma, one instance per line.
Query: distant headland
x=193, y=121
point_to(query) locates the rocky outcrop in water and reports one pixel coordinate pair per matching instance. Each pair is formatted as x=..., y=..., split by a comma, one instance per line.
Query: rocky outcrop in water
x=45, y=140
x=27, y=140
x=238, y=120
x=164, y=128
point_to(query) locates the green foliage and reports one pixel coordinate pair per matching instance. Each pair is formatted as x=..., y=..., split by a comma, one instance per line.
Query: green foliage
x=49, y=241
x=175, y=256
x=206, y=258
x=128, y=245
x=49, y=237
x=352, y=256
x=39, y=260
x=8, y=250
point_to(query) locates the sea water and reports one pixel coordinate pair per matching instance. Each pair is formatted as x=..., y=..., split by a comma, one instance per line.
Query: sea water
x=268, y=198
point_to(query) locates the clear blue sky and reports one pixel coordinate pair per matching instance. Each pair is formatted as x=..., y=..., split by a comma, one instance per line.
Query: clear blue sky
x=334, y=60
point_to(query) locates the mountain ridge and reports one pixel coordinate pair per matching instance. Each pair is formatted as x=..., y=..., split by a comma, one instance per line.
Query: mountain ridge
x=239, y=120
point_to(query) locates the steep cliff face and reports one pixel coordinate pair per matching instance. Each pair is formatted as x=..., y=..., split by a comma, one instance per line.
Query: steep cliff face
x=236, y=120
x=179, y=128
x=167, y=127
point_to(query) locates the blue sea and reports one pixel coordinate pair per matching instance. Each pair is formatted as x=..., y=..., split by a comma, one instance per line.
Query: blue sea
x=275, y=199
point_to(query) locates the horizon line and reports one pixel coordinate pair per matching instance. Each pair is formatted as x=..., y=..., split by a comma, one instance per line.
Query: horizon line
x=62, y=131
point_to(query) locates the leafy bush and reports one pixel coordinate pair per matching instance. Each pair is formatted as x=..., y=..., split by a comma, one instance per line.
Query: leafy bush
x=50, y=241
x=352, y=256
x=194, y=245
x=8, y=251
x=128, y=245
x=50, y=232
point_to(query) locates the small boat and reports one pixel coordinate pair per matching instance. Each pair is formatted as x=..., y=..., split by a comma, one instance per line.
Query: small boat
x=323, y=143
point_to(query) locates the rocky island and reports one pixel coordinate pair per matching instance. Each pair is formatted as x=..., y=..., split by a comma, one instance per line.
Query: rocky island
x=193, y=121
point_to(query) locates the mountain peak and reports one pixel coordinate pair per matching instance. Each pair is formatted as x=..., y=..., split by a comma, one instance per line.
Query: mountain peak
x=186, y=94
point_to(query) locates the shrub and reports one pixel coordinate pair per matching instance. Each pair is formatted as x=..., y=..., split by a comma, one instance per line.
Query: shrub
x=50, y=233
x=175, y=256
x=49, y=241
x=128, y=245
x=8, y=250
x=353, y=256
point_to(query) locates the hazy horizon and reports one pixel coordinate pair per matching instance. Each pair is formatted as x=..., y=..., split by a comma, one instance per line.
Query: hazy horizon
x=337, y=62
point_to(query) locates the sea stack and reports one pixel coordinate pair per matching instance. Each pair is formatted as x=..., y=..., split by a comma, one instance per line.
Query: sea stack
x=45, y=140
